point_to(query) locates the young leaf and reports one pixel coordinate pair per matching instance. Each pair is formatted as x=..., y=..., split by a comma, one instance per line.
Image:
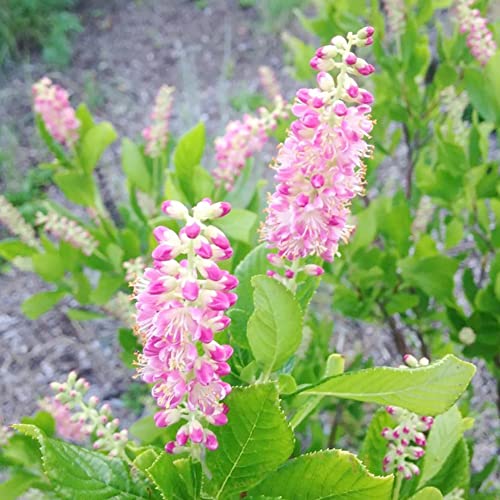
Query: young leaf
x=325, y=474
x=94, y=143
x=187, y=156
x=429, y=390
x=274, y=330
x=81, y=474
x=135, y=167
x=256, y=440
x=40, y=303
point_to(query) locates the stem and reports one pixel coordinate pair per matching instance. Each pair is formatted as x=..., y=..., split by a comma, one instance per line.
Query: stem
x=397, y=486
x=397, y=335
x=409, y=159
x=335, y=425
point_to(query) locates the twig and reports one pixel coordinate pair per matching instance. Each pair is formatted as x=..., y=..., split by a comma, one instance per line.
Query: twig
x=335, y=425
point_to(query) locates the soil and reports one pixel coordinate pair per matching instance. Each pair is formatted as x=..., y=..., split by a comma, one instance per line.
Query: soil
x=127, y=51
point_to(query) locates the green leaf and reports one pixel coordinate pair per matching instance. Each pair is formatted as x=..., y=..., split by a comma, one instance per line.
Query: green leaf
x=401, y=302
x=18, y=483
x=77, y=187
x=135, y=167
x=187, y=156
x=106, y=288
x=80, y=474
x=168, y=478
x=85, y=117
x=374, y=446
x=94, y=143
x=256, y=440
x=240, y=225
x=43, y=420
x=455, y=472
x=433, y=275
x=10, y=248
x=146, y=430
x=130, y=345
x=428, y=493
x=325, y=474
x=274, y=330
x=454, y=233
x=253, y=264
x=446, y=431
x=429, y=390
x=40, y=303
x=83, y=315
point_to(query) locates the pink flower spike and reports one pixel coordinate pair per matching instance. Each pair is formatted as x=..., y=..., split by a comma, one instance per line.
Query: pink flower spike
x=180, y=307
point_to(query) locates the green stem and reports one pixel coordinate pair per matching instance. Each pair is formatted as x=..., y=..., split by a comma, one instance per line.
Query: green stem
x=397, y=487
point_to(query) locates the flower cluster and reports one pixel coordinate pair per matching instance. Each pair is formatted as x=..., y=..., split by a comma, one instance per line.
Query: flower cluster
x=78, y=418
x=120, y=307
x=66, y=427
x=319, y=167
x=407, y=440
x=52, y=103
x=180, y=305
x=67, y=230
x=12, y=219
x=134, y=268
x=156, y=134
x=269, y=82
x=454, y=106
x=242, y=139
x=480, y=40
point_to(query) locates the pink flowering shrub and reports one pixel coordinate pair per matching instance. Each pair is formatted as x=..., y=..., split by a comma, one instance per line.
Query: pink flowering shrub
x=242, y=391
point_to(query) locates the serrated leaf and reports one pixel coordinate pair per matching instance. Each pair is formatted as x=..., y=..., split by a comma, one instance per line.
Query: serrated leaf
x=40, y=303
x=256, y=440
x=135, y=167
x=325, y=474
x=94, y=143
x=80, y=474
x=168, y=478
x=274, y=330
x=429, y=390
